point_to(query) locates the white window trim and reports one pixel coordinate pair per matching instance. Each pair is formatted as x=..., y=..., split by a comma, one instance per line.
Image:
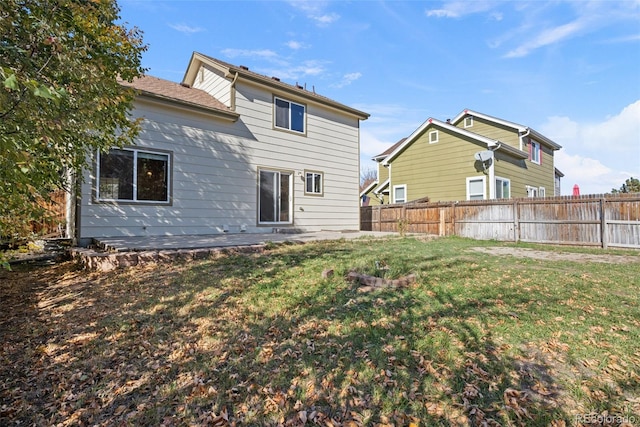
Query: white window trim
x=304, y=120
x=395, y=187
x=135, y=200
x=321, y=177
x=542, y=192
x=431, y=139
x=535, y=148
x=506, y=180
x=484, y=186
x=470, y=123
x=290, y=199
x=531, y=190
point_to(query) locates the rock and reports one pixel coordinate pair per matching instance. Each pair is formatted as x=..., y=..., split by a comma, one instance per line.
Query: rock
x=327, y=273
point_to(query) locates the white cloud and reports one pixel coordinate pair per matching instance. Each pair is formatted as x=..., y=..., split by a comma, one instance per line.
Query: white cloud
x=597, y=156
x=457, y=9
x=315, y=10
x=187, y=29
x=546, y=37
x=347, y=79
x=260, y=53
x=296, y=45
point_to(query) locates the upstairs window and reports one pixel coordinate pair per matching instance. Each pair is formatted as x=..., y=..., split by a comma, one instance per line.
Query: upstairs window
x=534, y=152
x=131, y=175
x=433, y=137
x=468, y=121
x=289, y=115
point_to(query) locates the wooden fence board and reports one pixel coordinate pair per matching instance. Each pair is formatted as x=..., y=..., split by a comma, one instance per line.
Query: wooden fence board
x=593, y=220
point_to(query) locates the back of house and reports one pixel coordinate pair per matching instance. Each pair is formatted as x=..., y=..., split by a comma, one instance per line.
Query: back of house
x=226, y=150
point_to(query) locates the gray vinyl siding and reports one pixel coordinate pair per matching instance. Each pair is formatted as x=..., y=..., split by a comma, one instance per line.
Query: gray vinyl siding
x=214, y=83
x=215, y=170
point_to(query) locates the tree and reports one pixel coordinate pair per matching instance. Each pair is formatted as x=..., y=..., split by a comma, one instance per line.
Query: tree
x=367, y=176
x=631, y=185
x=60, y=100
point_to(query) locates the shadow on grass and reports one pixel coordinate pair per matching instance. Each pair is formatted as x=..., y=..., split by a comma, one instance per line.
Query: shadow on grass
x=262, y=339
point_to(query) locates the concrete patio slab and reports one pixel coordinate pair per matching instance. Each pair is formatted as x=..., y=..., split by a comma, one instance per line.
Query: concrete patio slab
x=135, y=243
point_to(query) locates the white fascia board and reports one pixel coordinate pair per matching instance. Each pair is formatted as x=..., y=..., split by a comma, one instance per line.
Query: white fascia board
x=369, y=187
x=381, y=187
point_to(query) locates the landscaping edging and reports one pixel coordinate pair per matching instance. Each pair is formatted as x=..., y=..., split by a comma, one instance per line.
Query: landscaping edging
x=106, y=261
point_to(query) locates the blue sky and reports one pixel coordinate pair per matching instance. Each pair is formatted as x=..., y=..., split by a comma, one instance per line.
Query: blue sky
x=569, y=69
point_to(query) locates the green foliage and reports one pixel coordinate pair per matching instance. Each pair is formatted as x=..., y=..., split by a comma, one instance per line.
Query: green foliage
x=60, y=100
x=631, y=185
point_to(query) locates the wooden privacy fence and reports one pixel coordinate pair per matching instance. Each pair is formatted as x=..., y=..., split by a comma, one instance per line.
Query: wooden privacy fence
x=592, y=220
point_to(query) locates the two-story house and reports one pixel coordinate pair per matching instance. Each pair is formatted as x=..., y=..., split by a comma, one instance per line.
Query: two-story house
x=226, y=150
x=473, y=156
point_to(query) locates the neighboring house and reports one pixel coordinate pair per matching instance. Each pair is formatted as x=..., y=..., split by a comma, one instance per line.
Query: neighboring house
x=226, y=150
x=474, y=156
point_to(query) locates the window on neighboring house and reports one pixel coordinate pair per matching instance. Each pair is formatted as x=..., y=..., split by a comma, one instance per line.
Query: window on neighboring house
x=542, y=192
x=532, y=191
x=433, y=137
x=133, y=175
x=503, y=188
x=468, y=121
x=399, y=193
x=313, y=183
x=289, y=115
x=476, y=188
x=275, y=197
x=534, y=152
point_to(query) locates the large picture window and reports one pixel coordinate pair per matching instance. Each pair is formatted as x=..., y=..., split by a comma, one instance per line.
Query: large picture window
x=275, y=197
x=132, y=175
x=289, y=115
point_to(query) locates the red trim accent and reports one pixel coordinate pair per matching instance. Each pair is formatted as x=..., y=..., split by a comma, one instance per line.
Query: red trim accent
x=430, y=120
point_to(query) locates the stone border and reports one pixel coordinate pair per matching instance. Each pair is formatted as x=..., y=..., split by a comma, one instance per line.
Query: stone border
x=369, y=283
x=108, y=261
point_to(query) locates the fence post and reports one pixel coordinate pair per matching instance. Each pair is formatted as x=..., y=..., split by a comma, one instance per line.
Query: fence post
x=379, y=217
x=516, y=222
x=604, y=234
x=443, y=226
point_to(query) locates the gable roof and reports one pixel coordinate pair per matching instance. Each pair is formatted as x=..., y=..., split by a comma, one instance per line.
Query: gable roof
x=369, y=187
x=520, y=128
x=380, y=157
x=232, y=71
x=490, y=143
x=165, y=90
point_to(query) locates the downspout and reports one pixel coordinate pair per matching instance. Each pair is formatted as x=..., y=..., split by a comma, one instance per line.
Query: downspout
x=233, y=92
x=492, y=172
x=390, y=186
x=522, y=137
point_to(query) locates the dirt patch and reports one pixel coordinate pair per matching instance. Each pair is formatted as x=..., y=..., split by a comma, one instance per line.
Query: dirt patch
x=558, y=256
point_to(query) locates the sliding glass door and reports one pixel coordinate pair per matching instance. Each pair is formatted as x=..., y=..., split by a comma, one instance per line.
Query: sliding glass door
x=275, y=197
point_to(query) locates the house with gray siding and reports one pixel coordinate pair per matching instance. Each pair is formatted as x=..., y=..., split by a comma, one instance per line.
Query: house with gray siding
x=225, y=150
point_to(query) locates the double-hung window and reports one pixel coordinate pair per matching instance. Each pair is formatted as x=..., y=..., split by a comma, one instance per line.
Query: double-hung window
x=133, y=175
x=476, y=188
x=503, y=188
x=399, y=194
x=289, y=115
x=534, y=152
x=313, y=183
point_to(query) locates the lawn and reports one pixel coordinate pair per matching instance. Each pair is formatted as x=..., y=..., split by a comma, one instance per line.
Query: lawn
x=264, y=339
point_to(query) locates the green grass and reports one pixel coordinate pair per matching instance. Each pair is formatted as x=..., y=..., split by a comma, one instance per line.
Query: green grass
x=262, y=339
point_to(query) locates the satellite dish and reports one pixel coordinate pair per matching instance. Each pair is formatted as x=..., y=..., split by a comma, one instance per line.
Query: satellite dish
x=484, y=156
